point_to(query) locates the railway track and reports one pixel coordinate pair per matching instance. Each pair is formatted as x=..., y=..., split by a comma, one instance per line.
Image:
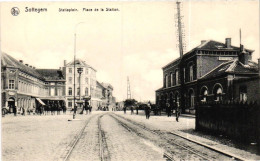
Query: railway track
x=190, y=145
x=103, y=149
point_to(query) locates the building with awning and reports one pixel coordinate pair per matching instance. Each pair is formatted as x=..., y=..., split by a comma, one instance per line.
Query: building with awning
x=40, y=101
x=24, y=86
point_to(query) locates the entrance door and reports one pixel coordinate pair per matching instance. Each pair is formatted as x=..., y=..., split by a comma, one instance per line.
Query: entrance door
x=11, y=104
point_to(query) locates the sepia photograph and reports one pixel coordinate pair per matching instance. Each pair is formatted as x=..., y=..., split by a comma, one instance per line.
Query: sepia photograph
x=130, y=80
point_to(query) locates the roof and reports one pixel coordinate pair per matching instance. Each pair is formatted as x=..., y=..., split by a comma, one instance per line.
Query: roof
x=210, y=45
x=99, y=84
x=9, y=61
x=107, y=85
x=234, y=67
x=215, y=45
x=51, y=74
x=79, y=62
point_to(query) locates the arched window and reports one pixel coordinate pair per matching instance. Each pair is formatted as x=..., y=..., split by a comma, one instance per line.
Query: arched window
x=176, y=77
x=166, y=81
x=191, y=98
x=171, y=82
x=70, y=91
x=177, y=98
x=217, y=91
x=191, y=72
x=86, y=91
x=243, y=93
x=204, y=94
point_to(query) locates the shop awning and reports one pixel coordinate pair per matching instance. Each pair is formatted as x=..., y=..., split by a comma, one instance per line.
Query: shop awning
x=38, y=99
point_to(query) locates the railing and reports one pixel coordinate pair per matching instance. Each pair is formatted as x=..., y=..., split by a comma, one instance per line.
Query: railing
x=240, y=121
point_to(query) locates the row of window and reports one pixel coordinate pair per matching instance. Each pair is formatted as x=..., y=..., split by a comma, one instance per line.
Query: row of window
x=28, y=88
x=173, y=78
x=78, y=80
x=78, y=91
x=71, y=70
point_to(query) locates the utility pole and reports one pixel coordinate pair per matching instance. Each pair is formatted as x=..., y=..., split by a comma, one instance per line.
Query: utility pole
x=181, y=45
x=179, y=29
x=128, y=89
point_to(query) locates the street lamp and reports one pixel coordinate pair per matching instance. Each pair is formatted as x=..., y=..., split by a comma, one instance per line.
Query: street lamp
x=80, y=70
x=75, y=45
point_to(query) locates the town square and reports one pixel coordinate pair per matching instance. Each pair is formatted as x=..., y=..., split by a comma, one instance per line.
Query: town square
x=161, y=80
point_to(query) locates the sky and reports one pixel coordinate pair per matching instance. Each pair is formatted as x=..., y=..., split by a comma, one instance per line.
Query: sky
x=136, y=40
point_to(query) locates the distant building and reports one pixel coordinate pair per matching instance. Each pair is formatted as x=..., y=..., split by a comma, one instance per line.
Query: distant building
x=206, y=73
x=85, y=85
x=106, y=93
x=54, y=83
x=24, y=86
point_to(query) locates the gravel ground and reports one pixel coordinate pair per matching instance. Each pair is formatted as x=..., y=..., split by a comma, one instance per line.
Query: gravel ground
x=186, y=127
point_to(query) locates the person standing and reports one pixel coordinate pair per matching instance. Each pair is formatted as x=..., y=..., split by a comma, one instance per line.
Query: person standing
x=148, y=110
x=75, y=110
x=124, y=110
x=137, y=107
x=132, y=110
x=178, y=112
x=15, y=110
x=168, y=109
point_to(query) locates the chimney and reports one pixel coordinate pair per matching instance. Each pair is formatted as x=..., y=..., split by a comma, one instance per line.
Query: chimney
x=243, y=55
x=27, y=65
x=21, y=61
x=228, y=42
x=65, y=63
x=203, y=41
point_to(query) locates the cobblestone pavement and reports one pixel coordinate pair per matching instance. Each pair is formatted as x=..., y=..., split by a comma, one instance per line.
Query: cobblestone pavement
x=169, y=124
x=30, y=138
x=123, y=145
x=88, y=146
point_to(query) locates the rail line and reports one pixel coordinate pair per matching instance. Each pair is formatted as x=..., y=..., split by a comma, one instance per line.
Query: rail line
x=68, y=151
x=103, y=149
x=170, y=157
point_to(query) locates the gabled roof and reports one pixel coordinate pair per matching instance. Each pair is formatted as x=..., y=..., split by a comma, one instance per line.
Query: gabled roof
x=215, y=45
x=80, y=63
x=233, y=66
x=99, y=84
x=107, y=85
x=8, y=61
x=51, y=74
x=210, y=45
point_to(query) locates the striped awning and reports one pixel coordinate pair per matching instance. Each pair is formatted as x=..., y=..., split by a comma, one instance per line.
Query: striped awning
x=38, y=99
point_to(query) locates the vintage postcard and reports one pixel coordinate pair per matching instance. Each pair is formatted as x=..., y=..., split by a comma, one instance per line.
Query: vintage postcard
x=129, y=80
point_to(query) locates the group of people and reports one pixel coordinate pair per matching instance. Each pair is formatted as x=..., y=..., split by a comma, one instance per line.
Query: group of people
x=51, y=108
x=157, y=110
x=169, y=110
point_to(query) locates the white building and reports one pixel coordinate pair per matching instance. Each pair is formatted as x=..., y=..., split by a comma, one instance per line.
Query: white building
x=85, y=83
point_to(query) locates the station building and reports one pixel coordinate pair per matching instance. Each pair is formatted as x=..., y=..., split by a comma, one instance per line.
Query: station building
x=212, y=71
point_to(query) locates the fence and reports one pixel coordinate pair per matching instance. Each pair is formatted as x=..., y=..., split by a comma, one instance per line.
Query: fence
x=239, y=121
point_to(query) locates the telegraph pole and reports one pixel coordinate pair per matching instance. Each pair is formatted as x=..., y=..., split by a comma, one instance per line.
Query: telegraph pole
x=181, y=47
x=128, y=89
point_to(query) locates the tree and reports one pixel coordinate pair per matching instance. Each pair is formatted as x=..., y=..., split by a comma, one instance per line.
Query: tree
x=130, y=102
